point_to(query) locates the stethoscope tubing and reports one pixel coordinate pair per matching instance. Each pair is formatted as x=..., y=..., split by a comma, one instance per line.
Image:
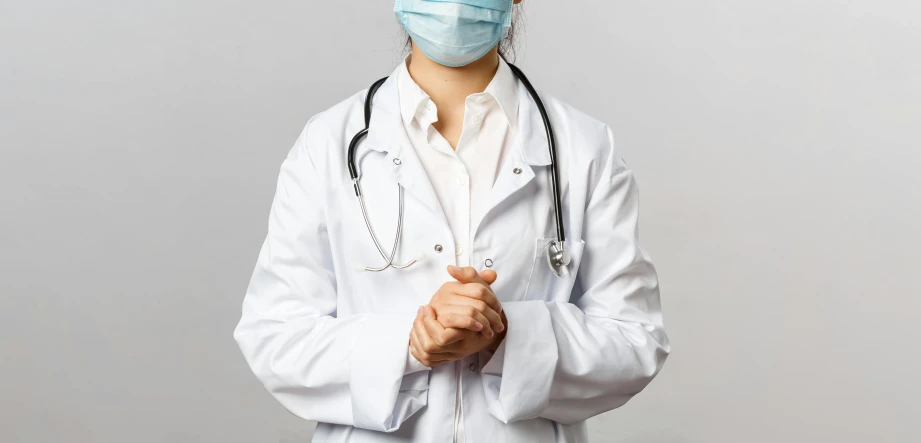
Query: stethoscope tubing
x=554, y=171
x=551, y=142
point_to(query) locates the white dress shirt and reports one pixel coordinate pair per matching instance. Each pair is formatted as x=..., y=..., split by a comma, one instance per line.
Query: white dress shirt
x=462, y=178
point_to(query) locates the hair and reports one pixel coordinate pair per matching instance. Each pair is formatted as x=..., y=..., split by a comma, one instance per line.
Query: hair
x=508, y=47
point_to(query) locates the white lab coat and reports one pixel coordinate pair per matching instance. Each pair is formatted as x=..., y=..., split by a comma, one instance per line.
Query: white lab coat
x=330, y=342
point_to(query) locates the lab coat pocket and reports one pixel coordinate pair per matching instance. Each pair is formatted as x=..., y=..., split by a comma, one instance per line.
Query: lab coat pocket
x=543, y=283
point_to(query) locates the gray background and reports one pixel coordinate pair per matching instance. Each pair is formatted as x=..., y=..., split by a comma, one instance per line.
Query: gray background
x=776, y=145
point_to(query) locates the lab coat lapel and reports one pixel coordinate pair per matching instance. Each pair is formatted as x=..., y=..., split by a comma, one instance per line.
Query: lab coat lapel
x=529, y=153
x=387, y=134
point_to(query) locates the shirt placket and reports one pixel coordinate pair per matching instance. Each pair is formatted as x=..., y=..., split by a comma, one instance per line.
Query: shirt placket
x=473, y=121
x=458, y=180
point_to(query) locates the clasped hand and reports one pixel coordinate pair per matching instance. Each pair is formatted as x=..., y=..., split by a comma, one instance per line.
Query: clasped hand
x=463, y=318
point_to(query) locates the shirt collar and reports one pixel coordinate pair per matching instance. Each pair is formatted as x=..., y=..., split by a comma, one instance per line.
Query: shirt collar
x=386, y=133
x=503, y=87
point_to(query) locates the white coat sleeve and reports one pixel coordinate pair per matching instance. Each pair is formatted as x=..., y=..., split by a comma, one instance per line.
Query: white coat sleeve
x=570, y=361
x=335, y=370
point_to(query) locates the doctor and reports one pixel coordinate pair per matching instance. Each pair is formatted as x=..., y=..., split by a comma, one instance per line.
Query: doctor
x=462, y=331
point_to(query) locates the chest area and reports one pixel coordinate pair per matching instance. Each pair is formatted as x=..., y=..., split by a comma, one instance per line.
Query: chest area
x=504, y=227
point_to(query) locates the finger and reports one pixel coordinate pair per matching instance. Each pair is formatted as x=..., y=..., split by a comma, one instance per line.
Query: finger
x=455, y=307
x=489, y=276
x=426, y=351
x=493, y=319
x=465, y=274
x=427, y=359
x=441, y=336
x=424, y=348
x=461, y=314
x=479, y=293
x=415, y=339
x=416, y=323
x=470, y=278
x=423, y=341
x=460, y=321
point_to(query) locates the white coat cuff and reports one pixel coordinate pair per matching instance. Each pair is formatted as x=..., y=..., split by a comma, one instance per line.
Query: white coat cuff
x=518, y=376
x=377, y=368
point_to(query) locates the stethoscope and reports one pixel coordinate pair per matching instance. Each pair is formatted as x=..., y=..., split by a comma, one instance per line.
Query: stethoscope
x=558, y=257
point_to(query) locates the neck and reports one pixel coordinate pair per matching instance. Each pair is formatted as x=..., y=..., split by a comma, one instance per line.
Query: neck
x=451, y=86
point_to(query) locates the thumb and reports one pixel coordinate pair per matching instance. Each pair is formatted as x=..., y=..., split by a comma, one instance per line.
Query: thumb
x=463, y=274
x=489, y=276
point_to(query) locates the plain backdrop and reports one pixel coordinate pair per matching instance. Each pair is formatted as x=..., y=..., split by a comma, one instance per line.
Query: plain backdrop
x=776, y=145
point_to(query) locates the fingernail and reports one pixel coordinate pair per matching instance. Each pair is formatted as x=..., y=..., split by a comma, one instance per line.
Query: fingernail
x=489, y=334
x=500, y=328
x=478, y=325
x=419, y=311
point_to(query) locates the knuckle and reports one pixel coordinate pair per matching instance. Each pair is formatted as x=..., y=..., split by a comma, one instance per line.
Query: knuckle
x=474, y=291
x=481, y=306
x=471, y=311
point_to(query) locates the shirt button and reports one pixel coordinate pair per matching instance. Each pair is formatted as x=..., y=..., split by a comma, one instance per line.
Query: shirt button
x=458, y=250
x=472, y=367
x=478, y=119
x=462, y=180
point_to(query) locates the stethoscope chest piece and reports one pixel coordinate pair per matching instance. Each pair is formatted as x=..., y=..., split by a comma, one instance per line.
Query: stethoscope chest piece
x=558, y=258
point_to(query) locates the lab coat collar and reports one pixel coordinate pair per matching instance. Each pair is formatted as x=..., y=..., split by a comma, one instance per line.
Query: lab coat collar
x=386, y=132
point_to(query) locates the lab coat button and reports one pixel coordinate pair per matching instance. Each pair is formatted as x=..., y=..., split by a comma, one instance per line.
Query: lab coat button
x=397, y=161
x=438, y=248
x=472, y=367
x=517, y=170
x=488, y=263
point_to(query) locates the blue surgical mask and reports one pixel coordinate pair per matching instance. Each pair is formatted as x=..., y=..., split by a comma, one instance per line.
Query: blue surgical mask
x=455, y=32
